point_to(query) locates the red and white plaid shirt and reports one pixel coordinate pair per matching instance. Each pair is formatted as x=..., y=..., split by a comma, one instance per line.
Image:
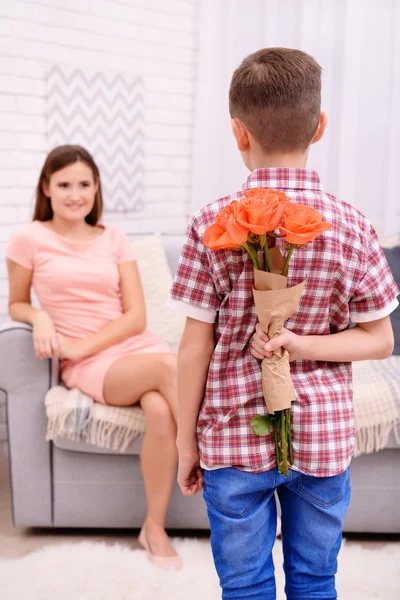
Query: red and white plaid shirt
x=348, y=279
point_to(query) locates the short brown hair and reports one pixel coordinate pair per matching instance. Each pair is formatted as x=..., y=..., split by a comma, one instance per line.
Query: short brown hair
x=276, y=93
x=57, y=159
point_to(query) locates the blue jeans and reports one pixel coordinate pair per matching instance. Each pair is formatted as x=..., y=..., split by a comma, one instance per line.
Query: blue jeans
x=242, y=512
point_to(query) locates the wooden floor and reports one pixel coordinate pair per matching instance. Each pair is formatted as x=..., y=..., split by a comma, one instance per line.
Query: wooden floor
x=19, y=542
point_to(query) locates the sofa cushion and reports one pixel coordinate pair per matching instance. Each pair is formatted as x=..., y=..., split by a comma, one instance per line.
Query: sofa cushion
x=156, y=277
x=393, y=441
x=393, y=258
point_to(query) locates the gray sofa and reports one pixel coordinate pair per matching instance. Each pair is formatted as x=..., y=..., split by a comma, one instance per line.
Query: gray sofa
x=66, y=484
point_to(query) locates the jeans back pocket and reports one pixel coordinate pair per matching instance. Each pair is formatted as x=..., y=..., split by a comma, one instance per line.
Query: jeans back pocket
x=324, y=491
x=233, y=492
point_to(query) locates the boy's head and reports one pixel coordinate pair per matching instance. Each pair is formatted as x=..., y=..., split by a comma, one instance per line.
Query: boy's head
x=276, y=94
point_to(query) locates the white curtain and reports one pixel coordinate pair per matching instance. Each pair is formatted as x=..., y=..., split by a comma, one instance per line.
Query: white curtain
x=357, y=42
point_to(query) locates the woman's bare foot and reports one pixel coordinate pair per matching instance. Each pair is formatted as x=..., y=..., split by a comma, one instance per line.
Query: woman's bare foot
x=158, y=540
x=159, y=548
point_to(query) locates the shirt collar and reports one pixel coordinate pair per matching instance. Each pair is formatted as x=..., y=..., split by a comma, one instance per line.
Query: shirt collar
x=284, y=178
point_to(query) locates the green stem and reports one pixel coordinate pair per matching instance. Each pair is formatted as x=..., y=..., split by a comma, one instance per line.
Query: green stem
x=289, y=437
x=253, y=254
x=266, y=256
x=277, y=449
x=284, y=444
x=289, y=256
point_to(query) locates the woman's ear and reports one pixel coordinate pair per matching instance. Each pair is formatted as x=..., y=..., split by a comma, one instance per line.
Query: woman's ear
x=45, y=188
x=323, y=122
x=240, y=133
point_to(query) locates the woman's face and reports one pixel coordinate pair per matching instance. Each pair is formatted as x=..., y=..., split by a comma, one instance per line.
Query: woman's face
x=72, y=191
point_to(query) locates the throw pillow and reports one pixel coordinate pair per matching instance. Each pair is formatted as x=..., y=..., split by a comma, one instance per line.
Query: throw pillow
x=156, y=279
x=389, y=240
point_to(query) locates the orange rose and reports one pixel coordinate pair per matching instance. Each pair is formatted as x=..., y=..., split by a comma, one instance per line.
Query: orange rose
x=226, y=233
x=217, y=238
x=280, y=195
x=262, y=210
x=302, y=224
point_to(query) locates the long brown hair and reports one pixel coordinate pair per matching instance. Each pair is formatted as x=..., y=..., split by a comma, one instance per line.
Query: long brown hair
x=57, y=159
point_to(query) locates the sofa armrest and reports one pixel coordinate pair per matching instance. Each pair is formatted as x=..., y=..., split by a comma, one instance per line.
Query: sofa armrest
x=24, y=379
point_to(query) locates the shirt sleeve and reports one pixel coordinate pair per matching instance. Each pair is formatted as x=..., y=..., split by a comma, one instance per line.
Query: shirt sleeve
x=125, y=250
x=20, y=250
x=193, y=288
x=376, y=294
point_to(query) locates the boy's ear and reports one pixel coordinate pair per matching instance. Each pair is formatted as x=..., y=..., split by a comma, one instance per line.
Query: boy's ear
x=240, y=133
x=323, y=122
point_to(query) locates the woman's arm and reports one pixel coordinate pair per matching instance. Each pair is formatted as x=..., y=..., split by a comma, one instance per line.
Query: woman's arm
x=372, y=340
x=20, y=309
x=131, y=322
x=19, y=296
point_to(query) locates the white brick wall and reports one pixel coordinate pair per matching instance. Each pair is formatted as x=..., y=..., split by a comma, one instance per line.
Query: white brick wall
x=156, y=39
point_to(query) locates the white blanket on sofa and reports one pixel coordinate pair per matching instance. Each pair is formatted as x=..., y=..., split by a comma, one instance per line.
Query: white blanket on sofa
x=73, y=415
x=376, y=385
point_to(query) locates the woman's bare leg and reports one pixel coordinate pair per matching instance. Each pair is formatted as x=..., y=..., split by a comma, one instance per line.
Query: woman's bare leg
x=151, y=379
x=159, y=459
x=128, y=378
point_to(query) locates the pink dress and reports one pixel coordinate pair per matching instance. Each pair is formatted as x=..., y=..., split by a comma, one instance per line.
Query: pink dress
x=77, y=284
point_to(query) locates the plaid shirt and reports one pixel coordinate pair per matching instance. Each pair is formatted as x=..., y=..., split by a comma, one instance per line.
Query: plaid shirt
x=348, y=279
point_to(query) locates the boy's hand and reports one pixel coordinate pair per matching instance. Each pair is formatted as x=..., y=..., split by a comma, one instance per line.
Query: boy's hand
x=190, y=474
x=262, y=347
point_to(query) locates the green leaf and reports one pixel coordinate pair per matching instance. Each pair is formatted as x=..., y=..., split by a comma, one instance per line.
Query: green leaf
x=261, y=425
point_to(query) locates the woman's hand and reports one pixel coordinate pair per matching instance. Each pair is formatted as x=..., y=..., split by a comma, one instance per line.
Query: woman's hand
x=263, y=347
x=45, y=339
x=70, y=348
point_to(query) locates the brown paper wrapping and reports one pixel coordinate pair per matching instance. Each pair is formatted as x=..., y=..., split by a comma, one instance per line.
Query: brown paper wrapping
x=275, y=303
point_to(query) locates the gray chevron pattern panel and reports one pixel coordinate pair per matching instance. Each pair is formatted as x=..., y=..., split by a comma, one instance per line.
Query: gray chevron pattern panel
x=103, y=112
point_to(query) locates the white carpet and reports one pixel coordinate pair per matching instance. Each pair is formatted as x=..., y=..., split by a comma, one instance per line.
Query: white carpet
x=96, y=571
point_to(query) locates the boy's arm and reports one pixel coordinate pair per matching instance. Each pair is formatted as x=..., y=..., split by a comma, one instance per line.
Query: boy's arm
x=365, y=341
x=194, y=355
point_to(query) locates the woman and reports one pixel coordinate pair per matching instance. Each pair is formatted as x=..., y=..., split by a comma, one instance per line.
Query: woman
x=92, y=317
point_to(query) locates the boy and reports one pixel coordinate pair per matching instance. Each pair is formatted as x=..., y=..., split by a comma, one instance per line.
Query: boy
x=275, y=99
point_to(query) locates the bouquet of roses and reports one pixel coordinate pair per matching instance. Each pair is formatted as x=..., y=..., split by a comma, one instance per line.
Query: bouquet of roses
x=247, y=224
